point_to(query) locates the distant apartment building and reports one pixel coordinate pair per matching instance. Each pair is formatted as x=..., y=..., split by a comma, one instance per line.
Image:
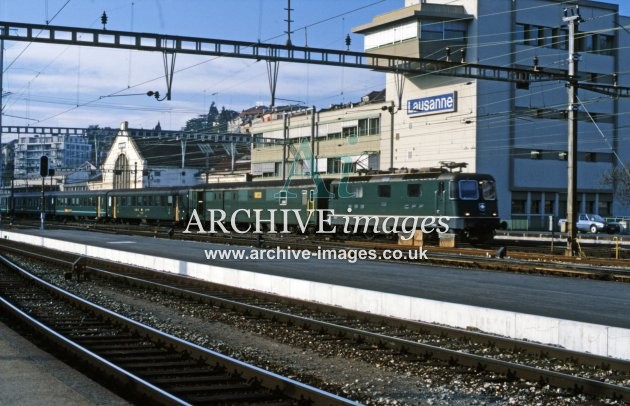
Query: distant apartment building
x=64, y=152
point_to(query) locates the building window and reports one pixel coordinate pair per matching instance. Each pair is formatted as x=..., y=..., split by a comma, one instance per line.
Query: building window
x=603, y=208
x=334, y=136
x=605, y=44
x=584, y=42
x=545, y=37
x=455, y=30
x=333, y=165
x=431, y=31
x=518, y=206
x=560, y=38
x=590, y=206
x=526, y=34
x=349, y=132
x=535, y=208
x=363, y=127
x=438, y=30
x=375, y=126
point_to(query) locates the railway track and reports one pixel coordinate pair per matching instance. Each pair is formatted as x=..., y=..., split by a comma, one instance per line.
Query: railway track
x=413, y=342
x=142, y=363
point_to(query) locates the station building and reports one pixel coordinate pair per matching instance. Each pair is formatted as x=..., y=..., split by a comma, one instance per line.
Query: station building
x=516, y=132
x=154, y=161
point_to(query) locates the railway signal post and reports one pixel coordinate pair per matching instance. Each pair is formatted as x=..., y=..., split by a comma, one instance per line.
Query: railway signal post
x=43, y=171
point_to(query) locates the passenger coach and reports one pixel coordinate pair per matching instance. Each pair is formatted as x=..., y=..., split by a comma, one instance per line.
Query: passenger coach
x=301, y=197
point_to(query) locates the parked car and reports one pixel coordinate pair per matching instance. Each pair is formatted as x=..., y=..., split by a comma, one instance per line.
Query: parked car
x=593, y=223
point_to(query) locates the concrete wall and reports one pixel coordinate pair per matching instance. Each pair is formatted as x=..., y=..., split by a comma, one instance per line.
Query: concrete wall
x=573, y=335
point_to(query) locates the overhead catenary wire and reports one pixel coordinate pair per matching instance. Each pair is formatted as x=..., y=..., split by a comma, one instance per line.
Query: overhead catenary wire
x=333, y=17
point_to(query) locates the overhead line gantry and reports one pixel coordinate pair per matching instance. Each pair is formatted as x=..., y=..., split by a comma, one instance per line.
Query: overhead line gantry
x=170, y=45
x=173, y=44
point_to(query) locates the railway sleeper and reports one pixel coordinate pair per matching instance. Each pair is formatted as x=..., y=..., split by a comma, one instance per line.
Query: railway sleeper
x=187, y=379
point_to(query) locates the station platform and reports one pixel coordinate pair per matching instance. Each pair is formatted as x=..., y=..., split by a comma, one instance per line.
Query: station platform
x=30, y=376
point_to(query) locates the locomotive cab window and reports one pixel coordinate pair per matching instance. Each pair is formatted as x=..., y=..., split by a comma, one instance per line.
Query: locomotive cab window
x=384, y=191
x=468, y=190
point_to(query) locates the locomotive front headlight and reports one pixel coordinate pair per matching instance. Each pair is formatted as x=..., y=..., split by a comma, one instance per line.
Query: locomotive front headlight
x=467, y=214
x=494, y=214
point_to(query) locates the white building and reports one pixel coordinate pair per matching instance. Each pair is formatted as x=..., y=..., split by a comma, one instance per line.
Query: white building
x=516, y=132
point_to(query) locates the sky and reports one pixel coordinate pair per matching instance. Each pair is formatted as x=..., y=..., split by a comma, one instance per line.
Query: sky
x=59, y=85
x=71, y=86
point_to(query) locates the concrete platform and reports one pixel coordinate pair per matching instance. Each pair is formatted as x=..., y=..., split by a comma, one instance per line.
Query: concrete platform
x=30, y=376
x=581, y=315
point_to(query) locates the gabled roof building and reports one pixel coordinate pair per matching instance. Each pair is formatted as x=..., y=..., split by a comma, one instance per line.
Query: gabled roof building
x=134, y=163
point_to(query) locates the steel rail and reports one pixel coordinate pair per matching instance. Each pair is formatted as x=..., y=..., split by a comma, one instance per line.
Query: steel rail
x=105, y=367
x=172, y=281
x=480, y=363
x=274, y=383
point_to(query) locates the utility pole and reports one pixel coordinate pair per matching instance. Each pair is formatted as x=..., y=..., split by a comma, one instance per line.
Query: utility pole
x=289, y=21
x=312, y=163
x=572, y=19
x=392, y=111
x=285, y=136
x=2, y=161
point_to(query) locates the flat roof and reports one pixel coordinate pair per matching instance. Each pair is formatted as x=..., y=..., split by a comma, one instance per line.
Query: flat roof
x=415, y=12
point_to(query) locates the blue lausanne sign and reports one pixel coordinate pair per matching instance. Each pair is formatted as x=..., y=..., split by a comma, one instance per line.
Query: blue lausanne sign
x=442, y=103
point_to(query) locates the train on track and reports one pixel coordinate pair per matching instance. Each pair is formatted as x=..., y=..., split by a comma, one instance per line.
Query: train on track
x=461, y=203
